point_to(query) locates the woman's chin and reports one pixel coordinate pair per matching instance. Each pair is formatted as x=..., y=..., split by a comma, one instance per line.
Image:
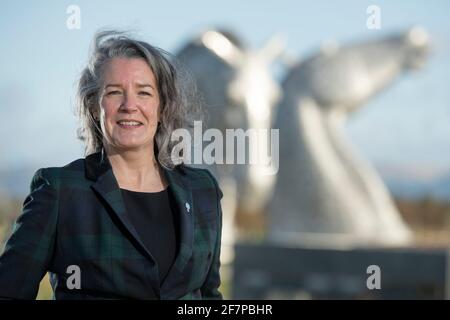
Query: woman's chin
x=131, y=145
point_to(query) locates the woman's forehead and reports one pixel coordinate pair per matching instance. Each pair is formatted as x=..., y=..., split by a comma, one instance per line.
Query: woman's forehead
x=125, y=70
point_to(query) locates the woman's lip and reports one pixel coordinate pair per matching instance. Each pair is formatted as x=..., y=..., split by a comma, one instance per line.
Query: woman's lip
x=131, y=120
x=124, y=126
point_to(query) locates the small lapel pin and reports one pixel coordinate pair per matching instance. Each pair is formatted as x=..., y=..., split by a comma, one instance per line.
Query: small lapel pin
x=188, y=207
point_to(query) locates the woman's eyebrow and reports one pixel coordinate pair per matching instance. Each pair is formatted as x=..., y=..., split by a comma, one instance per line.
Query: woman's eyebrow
x=112, y=85
x=141, y=85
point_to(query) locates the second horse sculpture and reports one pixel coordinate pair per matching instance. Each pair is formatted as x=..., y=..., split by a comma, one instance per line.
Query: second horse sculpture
x=325, y=193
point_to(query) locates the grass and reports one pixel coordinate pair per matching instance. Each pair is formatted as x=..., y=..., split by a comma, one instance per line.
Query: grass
x=45, y=290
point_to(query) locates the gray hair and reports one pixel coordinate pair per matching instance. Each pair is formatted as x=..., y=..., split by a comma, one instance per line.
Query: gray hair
x=180, y=103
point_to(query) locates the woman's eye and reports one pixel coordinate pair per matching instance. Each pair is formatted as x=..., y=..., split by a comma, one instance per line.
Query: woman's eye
x=113, y=92
x=145, y=93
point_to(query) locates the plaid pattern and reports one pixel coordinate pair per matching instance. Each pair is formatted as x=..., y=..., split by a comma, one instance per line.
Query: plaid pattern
x=75, y=215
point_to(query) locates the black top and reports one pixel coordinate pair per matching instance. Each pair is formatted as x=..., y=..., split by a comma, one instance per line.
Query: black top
x=153, y=215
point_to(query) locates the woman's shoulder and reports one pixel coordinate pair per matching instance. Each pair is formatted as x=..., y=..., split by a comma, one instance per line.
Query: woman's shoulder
x=196, y=173
x=54, y=175
x=201, y=175
x=75, y=167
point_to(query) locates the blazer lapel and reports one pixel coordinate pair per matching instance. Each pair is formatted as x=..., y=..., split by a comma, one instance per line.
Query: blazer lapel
x=182, y=190
x=98, y=168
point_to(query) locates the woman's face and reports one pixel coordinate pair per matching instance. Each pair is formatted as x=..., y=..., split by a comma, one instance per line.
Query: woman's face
x=129, y=104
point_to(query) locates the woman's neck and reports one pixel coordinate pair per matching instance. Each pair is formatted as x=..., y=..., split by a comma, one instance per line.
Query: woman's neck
x=136, y=169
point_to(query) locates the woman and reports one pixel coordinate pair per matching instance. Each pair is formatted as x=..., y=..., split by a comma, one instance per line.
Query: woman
x=127, y=221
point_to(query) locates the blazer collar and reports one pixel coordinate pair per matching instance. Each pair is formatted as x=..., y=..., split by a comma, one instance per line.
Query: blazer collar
x=98, y=169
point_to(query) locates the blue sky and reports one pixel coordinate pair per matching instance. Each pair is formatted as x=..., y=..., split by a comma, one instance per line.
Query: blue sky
x=408, y=125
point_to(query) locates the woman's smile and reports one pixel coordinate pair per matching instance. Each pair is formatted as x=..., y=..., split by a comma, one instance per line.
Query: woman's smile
x=129, y=124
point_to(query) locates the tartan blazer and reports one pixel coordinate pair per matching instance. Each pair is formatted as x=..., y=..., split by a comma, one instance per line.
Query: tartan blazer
x=75, y=216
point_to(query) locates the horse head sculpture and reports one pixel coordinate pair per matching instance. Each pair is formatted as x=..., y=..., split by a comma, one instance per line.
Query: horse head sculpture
x=239, y=92
x=325, y=191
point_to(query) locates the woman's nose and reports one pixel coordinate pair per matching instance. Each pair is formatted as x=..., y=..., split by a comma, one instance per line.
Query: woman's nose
x=129, y=103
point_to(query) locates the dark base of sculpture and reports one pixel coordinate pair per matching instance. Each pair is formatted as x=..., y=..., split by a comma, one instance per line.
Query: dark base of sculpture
x=270, y=271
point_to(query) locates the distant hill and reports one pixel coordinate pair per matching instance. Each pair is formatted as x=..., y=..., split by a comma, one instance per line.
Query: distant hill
x=417, y=183
x=16, y=182
x=403, y=182
x=441, y=189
